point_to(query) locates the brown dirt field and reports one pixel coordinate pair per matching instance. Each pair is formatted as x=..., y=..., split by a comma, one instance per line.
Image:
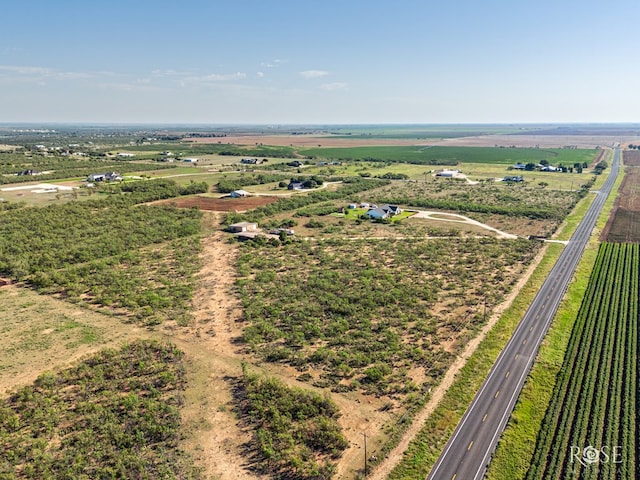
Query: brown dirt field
x=224, y=204
x=624, y=222
x=631, y=158
x=581, y=141
x=308, y=141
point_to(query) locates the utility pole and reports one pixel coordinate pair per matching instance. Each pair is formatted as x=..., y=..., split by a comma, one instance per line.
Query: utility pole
x=365, y=454
x=484, y=314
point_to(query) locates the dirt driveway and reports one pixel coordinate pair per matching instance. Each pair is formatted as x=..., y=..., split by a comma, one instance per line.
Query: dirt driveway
x=454, y=217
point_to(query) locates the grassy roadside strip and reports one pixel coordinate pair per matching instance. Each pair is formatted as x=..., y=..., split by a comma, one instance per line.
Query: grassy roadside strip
x=426, y=447
x=512, y=457
x=572, y=221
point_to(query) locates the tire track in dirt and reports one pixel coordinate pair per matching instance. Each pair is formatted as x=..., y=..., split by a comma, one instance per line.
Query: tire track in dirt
x=215, y=438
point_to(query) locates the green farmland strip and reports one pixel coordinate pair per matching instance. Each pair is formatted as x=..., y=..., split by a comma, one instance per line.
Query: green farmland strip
x=453, y=155
x=593, y=408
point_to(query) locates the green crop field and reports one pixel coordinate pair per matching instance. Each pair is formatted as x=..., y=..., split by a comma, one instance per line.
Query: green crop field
x=453, y=155
x=590, y=427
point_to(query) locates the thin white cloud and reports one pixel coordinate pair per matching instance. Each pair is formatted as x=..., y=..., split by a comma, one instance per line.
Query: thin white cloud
x=330, y=87
x=273, y=64
x=216, y=77
x=39, y=74
x=313, y=73
x=226, y=76
x=169, y=73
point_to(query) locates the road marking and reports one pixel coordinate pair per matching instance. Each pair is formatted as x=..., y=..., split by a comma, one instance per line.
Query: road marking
x=530, y=329
x=524, y=342
x=507, y=375
x=497, y=393
x=470, y=445
x=485, y=417
x=454, y=476
x=516, y=356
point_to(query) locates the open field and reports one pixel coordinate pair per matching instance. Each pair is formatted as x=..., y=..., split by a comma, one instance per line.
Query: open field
x=437, y=155
x=369, y=315
x=624, y=223
x=524, y=141
x=224, y=204
x=39, y=332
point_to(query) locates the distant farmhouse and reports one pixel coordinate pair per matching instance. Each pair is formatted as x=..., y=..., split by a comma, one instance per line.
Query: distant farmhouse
x=28, y=172
x=105, y=177
x=248, y=231
x=513, y=178
x=383, y=212
x=448, y=173
x=251, y=161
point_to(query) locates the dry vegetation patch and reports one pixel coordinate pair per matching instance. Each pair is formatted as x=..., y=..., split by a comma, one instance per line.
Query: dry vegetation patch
x=39, y=333
x=360, y=315
x=224, y=204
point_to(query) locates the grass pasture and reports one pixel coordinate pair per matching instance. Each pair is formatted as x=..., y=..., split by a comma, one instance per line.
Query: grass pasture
x=437, y=155
x=39, y=332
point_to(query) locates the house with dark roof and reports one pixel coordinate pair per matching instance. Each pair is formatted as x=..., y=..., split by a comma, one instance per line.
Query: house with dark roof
x=384, y=211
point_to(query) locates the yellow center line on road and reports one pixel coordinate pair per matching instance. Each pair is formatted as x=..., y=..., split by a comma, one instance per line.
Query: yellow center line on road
x=497, y=393
x=485, y=417
x=470, y=445
x=507, y=375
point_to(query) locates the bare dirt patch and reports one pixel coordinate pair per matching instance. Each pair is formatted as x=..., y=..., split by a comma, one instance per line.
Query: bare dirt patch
x=624, y=222
x=214, y=437
x=309, y=141
x=223, y=204
x=523, y=141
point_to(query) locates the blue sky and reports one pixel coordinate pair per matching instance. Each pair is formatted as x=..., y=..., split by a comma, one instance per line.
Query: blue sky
x=308, y=61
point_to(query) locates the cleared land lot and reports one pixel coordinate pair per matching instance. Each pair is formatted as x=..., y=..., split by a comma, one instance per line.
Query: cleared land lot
x=624, y=223
x=225, y=204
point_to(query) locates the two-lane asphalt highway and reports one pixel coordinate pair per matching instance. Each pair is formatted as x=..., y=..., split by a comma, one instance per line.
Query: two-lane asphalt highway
x=468, y=452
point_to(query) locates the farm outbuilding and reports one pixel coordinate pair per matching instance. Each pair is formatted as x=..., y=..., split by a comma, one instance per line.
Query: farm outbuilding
x=239, y=194
x=243, y=227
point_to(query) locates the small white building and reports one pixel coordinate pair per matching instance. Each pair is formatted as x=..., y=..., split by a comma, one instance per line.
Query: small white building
x=448, y=173
x=239, y=194
x=190, y=160
x=243, y=227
